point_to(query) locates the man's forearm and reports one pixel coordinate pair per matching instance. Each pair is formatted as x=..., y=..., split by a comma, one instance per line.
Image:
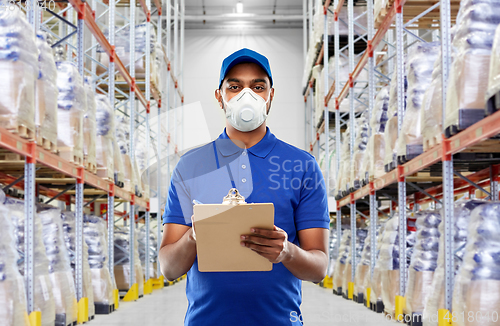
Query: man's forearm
x=308, y=265
x=177, y=258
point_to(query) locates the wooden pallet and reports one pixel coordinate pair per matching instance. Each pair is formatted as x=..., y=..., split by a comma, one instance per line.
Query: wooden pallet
x=9, y=156
x=46, y=144
x=89, y=166
x=22, y=131
x=70, y=155
x=432, y=141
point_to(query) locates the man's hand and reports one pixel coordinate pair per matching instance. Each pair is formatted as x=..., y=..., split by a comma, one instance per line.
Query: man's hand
x=270, y=244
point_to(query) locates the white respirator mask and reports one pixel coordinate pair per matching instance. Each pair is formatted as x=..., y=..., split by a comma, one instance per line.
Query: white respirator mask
x=246, y=111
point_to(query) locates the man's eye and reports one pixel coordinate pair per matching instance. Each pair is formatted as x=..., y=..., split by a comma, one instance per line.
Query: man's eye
x=233, y=88
x=259, y=88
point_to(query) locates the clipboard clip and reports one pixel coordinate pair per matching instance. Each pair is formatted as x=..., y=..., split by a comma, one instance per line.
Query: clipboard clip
x=233, y=198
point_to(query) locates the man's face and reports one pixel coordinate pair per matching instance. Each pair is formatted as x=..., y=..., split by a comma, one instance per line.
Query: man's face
x=245, y=75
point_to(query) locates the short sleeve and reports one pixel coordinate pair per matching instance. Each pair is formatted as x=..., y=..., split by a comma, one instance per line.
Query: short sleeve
x=312, y=210
x=178, y=209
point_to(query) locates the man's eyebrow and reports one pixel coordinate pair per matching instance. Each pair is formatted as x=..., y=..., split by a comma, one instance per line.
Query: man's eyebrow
x=236, y=80
x=259, y=80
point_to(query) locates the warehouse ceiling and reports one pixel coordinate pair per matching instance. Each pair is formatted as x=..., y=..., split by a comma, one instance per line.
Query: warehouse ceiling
x=255, y=14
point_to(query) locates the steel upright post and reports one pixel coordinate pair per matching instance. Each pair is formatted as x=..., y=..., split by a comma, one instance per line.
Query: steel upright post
x=148, y=98
x=79, y=239
x=29, y=230
x=304, y=30
x=176, y=66
x=111, y=231
x=449, y=267
x=159, y=151
x=401, y=180
x=336, y=44
x=350, y=15
x=132, y=138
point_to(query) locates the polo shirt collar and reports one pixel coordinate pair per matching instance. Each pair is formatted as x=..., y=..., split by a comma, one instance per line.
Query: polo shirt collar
x=261, y=149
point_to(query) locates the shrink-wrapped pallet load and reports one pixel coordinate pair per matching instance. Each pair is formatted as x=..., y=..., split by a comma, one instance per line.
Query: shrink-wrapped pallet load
x=419, y=66
x=12, y=289
x=423, y=263
x=432, y=109
x=141, y=237
x=340, y=265
x=435, y=301
x=468, y=81
x=96, y=237
x=122, y=261
x=19, y=71
x=89, y=129
x=105, y=133
x=71, y=103
x=375, y=282
x=357, y=174
x=333, y=255
x=46, y=95
x=122, y=136
x=69, y=227
x=332, y=168
x=389, y=261
x=374, y=162
x=493, y=91
x=360, y=243
x=43, y=294
x=362, y=275
x=122, y=48
x=477, y=284
x=60, y=274
x=345, y=163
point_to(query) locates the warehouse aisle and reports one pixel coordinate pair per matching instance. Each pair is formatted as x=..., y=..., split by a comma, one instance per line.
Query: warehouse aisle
x=168, y=306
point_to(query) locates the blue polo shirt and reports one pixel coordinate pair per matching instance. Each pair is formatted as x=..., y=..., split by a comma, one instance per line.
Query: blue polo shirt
x=270, y=171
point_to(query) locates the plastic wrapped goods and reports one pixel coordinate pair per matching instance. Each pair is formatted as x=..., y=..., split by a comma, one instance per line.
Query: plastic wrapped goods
x=461, y=213
x=122, y=261
x=477, y=285
x=19, y=71
x=360, y=242
x=494, y=74
x=376, y=279
x=423, y=262
x=345, y=163
x=89, y=127
x=389, y=261
x=122, y=134
x=391, y=128
x=105, y=122
x=46, y=94
x=141, y=237
x=340, y=265
x=60, y=273
x=12, y=290
x=357, y=174
x=95, y=233
x=432, y=113
x=43, y=294
x=468, y=82
x=362, y=275
x=332, y=168
x=69, y=220
x=419, y=67
x=72, y=103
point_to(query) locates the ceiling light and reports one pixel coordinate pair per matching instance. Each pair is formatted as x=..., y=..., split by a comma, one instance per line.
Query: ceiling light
x=239, y=7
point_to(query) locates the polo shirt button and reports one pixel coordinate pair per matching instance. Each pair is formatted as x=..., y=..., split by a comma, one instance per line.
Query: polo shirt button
x=243, y=180
x=243, y=166
x=244, y=153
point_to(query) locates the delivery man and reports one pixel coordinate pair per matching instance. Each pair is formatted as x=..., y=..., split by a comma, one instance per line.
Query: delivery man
x=264, y=169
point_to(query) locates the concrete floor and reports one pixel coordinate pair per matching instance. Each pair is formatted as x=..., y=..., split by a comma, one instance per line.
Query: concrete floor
x=167, y=308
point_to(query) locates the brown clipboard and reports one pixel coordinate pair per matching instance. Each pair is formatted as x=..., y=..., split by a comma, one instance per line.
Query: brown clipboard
x=218, y=229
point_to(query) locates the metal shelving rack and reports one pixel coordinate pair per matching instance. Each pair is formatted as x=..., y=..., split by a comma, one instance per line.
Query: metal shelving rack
x=71, y=19
x=441, y=154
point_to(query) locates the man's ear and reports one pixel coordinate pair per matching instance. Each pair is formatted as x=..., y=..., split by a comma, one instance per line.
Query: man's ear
x=218, y=97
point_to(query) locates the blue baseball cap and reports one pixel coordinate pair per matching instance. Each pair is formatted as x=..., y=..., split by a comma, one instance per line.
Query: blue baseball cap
x=242, y=56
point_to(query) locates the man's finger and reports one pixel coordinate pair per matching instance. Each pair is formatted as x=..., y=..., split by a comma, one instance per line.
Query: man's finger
x=261, y=240
x=271, y=234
